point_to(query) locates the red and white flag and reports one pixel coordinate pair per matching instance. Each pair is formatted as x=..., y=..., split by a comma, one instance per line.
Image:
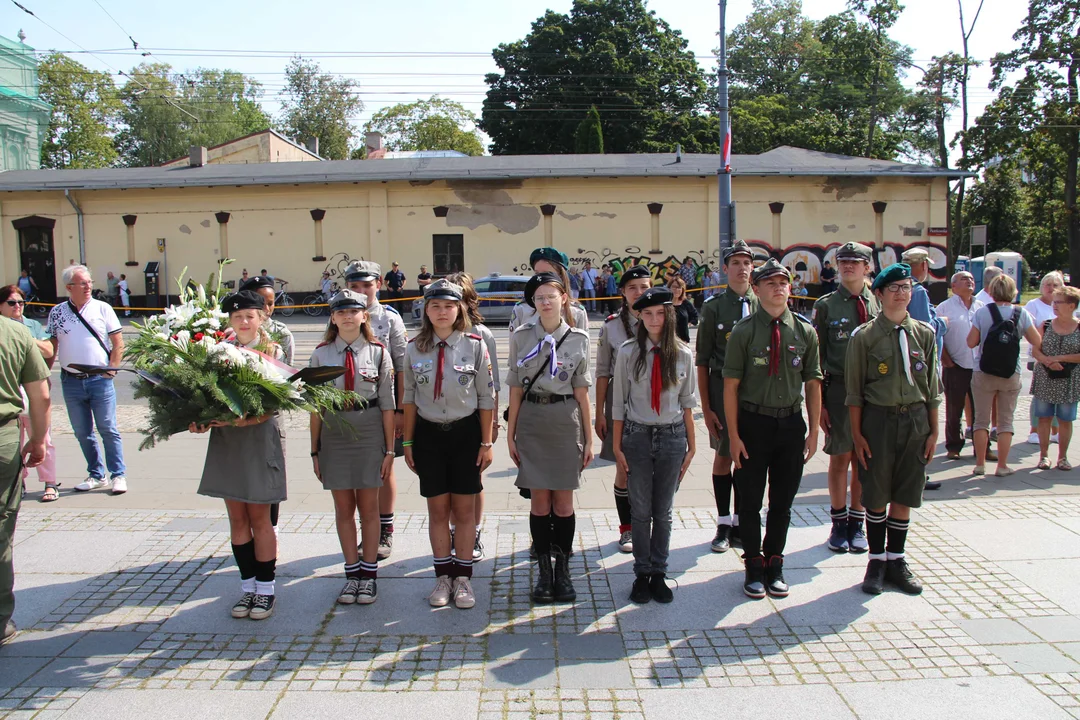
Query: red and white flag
x=725, y=152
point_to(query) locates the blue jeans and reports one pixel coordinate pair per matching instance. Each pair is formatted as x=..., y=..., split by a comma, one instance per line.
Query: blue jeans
x=1065, y=412
x=92, y=401
x=655, y=454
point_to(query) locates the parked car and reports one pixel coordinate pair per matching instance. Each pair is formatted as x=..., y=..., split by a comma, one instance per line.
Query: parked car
x=498, y=295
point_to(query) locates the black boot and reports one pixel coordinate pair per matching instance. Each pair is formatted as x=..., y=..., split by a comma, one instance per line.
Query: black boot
x=774, y=577
x=564, y=587
x=640, y=593
x=899, y=574
x=874, y=581
x=754, y=585
x=661, y=593
x=544, y=591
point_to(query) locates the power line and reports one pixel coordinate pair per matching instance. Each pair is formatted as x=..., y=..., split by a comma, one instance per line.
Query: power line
x=133, y=43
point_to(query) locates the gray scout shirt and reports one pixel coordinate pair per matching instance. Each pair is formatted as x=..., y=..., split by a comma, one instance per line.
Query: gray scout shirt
x=612, y=336
x=633, y=395
x=493, y=355
x=467, y=385
x=374, y=368
x=280, y=333
x=572, y=359
x=389, y=329
x=524, y=314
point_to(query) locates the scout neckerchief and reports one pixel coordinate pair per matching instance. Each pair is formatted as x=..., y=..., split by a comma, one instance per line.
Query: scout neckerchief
x=438, y=370
x=905, y=353
x=553, y=361
x=745, y=305
x=535, y=352
x=350, y=369
x=774, y=348
x=860, y=307
x=657, y=381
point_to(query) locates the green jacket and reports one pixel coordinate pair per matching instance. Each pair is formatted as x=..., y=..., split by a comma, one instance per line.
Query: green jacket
x=875, y=367
x=835, y=317
x=718, y=317
x=748, y=359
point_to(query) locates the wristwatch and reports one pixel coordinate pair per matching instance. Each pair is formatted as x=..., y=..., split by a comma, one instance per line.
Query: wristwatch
x=390, y=452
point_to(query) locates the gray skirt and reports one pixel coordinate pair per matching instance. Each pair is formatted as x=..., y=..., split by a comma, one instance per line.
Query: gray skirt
x=246, y=464
x=607, y=448
x=549, y=442
x=351, y=450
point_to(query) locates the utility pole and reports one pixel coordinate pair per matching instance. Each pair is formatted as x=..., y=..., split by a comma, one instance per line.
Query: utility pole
x=727, y=207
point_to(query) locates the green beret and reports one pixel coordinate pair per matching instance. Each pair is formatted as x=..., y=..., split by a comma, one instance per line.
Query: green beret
x=896, y=271
x=854, y=251
x=551, y=255
x=767, y=269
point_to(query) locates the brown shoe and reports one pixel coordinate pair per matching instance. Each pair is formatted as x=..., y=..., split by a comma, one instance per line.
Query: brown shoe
x=952, y=455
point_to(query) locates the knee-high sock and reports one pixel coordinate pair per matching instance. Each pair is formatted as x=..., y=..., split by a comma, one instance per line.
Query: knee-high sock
x=897, y=534
x=246, y=563
x=540, y=526
x=622, y=505
x=875, y=534
x=721, y=485
x=265, y=571
x=563, y=536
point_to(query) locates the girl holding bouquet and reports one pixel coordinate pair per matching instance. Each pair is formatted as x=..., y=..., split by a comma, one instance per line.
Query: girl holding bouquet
x=353, y=450
x=245, y=466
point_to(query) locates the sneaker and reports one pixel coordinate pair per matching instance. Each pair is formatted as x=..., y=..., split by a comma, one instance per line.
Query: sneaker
x=856, y=537
x=969, y=433
x=92, y=484
x=899, y=574
x=661, y=593
x=721, y=543
x=754, y=585
x=262, y=607
x=874, y=581
x=1033, y=439
x=993, y=435
x=463, y=593
x=774, y=577
x=10, y=631
x=119, y=485
x=640, y=592
x=242, y=608
x=477, y=548
x=991, y=454
x=386, y=544
x=440, y=596
x=367, y=591
x=348, y=593
x=838, y=541
x=626, y=541
x=932, y=484
x=1054, y=438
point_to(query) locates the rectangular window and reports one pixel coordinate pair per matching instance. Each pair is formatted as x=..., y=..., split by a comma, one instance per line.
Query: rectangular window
x=448, y=252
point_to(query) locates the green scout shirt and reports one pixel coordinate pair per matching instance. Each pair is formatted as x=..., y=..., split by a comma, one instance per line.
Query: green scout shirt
x=835, y=317
x=748, y=359
x=875, y=368
x=20, y=363
x=718, y=316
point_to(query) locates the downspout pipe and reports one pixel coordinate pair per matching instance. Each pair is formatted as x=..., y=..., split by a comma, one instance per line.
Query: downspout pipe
x=82, y=227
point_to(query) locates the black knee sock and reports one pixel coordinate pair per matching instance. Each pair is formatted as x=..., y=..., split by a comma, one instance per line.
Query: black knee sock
x=443, y=566
x=368, y=570
x=246, y=563
x=274, y=514
x=622, y=505
x=856, y=516
x=563, y=536
x=875, y=532
x=897, y=532
x=353, y=571
x=721, y=485
x=387, y=523
x=463, y=568
x=264, y=576
x=838, y=513
x=540, y=525
x=736, y=505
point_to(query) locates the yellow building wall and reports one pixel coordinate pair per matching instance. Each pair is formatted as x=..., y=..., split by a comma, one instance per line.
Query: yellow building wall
x=260, y=148
x=601, y=219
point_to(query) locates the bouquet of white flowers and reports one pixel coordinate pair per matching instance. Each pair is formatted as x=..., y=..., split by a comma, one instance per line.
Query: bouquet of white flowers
x=197, y=374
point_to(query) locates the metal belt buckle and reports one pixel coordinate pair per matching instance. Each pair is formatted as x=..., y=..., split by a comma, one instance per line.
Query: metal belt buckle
x=544, y=399
x=904, y=409
x=445, y=427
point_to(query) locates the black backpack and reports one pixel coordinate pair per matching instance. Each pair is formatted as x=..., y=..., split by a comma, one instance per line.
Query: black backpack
x=1001, y=350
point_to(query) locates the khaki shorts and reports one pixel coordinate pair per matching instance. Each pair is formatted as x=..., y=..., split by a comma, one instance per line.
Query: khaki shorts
x=984, y=388
x=838, y=439
x=896, y=469
x=722, y=444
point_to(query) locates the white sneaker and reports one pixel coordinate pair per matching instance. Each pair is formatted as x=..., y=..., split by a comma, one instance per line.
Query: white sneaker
x=1054, y=438
x=440, y=596
x=626, y=542
x=119, y=485
x=463, y=593
x=1033, y=439
x=92, y=484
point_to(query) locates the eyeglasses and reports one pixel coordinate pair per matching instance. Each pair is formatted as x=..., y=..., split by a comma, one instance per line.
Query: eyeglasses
x=88, y=283
x=546, y=298
x=897, y=289
x=19, y=303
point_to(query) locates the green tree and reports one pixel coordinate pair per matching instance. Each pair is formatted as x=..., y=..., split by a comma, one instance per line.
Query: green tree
x=165, y=113
x=589, y=138
x=85, y=112
x=317, y=104
x=615, y=55
x=434, y=124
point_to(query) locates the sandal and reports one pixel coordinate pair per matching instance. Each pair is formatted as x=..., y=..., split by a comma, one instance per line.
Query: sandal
x=51, y=494
x=1044, y=464
x=1063, y=464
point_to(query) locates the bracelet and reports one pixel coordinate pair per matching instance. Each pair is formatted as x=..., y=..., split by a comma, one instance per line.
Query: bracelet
x=406, y=443
x=315, y=454
x=399, y=411
x=484, y=444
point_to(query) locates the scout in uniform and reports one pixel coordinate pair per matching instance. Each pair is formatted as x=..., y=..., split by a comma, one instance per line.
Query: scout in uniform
x=353, y=450
x=654, y=389
x=449, y=402
x=245, y=466
x=718, y=316
x=771, y=356
x=548, y=430
x=472, y=302
x=366, y=278
x=893, y=398
x=616, y=330
x=835, y=317
x=550, y=260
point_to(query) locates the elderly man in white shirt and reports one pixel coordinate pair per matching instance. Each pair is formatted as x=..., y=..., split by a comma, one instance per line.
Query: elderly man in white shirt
x=988, y=274
x=957, y=359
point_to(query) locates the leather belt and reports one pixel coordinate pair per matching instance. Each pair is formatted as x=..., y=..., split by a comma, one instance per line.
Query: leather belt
x=899, y=409
x=547, y=399
x=770, y=411
x=76, y=376
x=448, y=426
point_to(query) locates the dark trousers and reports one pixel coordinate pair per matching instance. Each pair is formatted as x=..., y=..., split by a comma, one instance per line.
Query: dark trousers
x=957, y=382
x=10, y=499
x=775, y=448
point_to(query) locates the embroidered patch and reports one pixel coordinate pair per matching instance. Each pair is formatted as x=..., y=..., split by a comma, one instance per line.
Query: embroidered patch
x=421, y=379
x=919, y=367
x=760, y=361
x=796, y=361
x=563, y=375
x=463, y=380
x=883, y=369
x=727, y=337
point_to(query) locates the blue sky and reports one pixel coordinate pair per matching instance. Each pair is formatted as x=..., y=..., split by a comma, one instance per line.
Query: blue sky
x=409, y=49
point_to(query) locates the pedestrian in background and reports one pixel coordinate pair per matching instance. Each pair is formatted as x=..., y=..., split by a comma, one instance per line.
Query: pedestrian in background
x=711, y=284
x=611, y=291
x=588, y=285
x=112, y=293
x=575, y=283
x=685, y=312
x=423, y=279
x=958, y=360
x=1056, y=382
x=395, y=282
x=125, y=295
x=1041, y=309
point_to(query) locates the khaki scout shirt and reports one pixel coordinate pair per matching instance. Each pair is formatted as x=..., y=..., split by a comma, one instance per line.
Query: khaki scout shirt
x=633, y=395
x=20, y=363
x=835, y=317
x=523, y=314
x=875, y=367
x=612, y=336
x=748, y=359
x=374, y=379
x=467, y=385
x=572, y=360
x=718, y=316
x=389, y=329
